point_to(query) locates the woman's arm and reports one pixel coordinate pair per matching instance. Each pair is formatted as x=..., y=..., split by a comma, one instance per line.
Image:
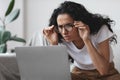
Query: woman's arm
x=99, y=56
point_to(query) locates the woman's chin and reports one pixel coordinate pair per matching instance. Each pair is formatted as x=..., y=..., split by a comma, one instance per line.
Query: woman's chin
x=67, y=40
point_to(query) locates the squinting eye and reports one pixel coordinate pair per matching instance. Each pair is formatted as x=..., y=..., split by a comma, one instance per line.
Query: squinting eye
x=69, y=25
x=60, y=26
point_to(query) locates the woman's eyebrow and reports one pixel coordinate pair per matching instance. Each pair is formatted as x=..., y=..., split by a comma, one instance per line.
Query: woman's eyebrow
x=65, y=24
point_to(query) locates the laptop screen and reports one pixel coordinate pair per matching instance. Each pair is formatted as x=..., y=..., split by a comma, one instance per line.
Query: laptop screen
x=43, y=63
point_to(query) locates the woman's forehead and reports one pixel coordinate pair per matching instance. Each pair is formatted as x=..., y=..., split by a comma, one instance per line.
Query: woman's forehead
x=64, y=18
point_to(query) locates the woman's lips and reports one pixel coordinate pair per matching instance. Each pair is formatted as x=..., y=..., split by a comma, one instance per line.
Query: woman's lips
x=66, y=37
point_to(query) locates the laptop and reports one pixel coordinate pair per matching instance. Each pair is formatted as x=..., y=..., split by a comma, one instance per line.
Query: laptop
x=43, y=63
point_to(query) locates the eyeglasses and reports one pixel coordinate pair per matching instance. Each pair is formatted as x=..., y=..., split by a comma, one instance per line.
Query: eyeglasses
x=67, y=27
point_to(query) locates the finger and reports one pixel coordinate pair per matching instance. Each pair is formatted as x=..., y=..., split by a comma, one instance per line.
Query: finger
x=51, y=27
x=79, y=25
x=78, y=22
x=81, y=28
x=84, y=28
x=45, y=32
x=54, y=29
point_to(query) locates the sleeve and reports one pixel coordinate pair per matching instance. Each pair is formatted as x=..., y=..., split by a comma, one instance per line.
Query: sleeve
x=37, y=40
x=103, y=34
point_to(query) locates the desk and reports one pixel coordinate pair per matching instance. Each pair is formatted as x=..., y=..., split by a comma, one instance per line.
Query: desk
x=9, y=67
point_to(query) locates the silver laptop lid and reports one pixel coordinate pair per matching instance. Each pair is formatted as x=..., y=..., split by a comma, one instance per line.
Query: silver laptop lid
x=43, y=63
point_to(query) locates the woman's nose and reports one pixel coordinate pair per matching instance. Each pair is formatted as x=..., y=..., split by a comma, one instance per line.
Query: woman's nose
x=64, y=31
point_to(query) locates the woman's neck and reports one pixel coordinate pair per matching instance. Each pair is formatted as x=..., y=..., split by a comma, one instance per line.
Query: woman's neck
x=79, y=43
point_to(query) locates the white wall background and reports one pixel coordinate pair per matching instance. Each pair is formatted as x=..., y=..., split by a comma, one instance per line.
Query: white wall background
x=35, y=15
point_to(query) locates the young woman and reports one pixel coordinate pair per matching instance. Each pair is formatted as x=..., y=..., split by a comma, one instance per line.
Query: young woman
x=87, y=37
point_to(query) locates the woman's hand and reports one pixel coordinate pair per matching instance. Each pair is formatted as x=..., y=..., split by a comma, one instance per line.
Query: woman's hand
x=51, y=35
x=83, y=29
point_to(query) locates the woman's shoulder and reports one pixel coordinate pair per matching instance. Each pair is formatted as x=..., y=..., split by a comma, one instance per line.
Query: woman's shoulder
x=103, y=34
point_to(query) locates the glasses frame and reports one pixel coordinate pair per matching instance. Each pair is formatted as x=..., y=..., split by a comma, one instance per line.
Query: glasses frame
x=68, y=27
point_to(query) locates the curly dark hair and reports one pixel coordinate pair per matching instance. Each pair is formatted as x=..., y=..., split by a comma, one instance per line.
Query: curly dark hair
x=79, y=13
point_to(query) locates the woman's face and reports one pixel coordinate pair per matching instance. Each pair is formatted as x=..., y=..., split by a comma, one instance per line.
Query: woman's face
x=64, y=22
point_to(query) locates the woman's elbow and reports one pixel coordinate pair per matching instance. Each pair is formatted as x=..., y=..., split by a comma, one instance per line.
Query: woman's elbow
x=104, y=71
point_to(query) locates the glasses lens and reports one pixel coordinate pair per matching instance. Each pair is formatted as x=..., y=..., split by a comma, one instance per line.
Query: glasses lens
x=67, y=27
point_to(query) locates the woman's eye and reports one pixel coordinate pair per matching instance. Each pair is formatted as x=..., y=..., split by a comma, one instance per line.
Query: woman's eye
x=60, y=26
x=69, y=25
